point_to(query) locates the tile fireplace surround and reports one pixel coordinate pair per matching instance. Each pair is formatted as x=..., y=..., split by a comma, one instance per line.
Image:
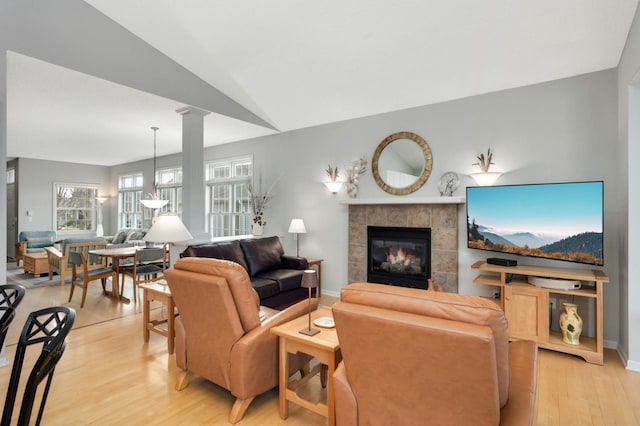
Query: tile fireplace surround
x=441, y=218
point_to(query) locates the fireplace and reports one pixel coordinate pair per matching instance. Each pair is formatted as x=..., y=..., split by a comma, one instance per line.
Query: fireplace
x=399, y=256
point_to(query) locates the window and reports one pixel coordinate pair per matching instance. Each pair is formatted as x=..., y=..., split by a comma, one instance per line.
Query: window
x=227, y=199
x=129, y=195
x=170, y=188
x=11, y=176
x=75, y=207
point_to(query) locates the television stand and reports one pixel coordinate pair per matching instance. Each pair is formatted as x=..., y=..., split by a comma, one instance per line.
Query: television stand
x=526, y=306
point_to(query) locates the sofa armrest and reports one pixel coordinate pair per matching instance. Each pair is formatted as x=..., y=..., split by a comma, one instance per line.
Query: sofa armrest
x=293, y=262
x=21, y=249
x=55, y=259
x=54, y=253
x=523, y=374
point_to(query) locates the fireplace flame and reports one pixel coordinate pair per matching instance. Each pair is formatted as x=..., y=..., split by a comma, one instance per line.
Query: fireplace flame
x=401, y=257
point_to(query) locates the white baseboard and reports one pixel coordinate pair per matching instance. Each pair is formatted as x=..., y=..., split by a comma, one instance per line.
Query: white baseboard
x=629, y=364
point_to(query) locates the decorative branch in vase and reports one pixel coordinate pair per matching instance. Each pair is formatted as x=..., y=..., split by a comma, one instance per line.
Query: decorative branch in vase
x=357, y=168
x=332, y=172
x=484, y=164
x=259, y=200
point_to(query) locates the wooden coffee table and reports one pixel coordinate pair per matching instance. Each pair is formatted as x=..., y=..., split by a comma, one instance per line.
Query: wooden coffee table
x=324, y=346
x=35, y=263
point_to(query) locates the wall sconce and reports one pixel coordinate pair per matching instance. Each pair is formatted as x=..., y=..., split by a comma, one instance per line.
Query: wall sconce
x=334, y=185
x=99, y=228
x=485, y=178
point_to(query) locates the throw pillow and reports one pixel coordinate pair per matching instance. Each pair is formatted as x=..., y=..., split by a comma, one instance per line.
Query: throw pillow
x=134, y=235
x=120, y=237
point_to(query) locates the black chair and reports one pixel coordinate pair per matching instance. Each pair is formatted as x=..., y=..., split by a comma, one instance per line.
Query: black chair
x=50, y=327
x=10, y=297
x=147, y=267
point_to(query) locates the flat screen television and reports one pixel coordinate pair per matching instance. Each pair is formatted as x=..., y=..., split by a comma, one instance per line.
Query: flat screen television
x=561, y=221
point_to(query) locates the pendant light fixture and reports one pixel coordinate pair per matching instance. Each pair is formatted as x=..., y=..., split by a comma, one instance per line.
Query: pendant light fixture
x=152, y=200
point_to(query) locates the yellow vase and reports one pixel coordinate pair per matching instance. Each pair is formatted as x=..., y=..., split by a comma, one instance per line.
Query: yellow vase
x=570, y=324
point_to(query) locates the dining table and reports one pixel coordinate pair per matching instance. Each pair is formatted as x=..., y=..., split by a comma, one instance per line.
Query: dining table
x=117, y=254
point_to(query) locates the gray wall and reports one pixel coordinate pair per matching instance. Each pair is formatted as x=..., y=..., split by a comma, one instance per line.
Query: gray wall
x=35, y=189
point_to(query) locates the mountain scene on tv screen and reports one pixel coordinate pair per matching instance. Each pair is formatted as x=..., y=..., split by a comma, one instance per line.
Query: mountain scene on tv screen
x=585, y=247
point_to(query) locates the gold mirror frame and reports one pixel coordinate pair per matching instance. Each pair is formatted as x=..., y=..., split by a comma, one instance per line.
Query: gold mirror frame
x=426, y=171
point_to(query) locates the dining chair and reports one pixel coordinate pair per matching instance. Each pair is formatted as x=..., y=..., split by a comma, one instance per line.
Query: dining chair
x=10, y=297
x=49, y=326
x=147, y=267
x=87, y=275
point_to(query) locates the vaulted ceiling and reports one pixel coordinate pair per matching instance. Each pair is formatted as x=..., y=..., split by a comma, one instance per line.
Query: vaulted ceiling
x=299, y=64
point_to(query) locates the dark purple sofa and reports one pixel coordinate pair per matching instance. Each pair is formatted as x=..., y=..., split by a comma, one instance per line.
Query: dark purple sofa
x=275, y=277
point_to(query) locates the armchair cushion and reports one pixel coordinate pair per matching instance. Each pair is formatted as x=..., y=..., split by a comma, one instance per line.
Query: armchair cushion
x=262, y=254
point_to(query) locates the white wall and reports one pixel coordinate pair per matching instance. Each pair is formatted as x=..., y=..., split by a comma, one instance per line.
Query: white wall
x=629, y=199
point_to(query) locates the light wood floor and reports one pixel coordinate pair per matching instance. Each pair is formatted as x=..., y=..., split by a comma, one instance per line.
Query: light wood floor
x=108, y=376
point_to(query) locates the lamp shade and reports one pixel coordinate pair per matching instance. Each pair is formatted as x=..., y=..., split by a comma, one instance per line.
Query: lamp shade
x=297, y=227
x=310, y=279
x=168, y=228
x=333, y=186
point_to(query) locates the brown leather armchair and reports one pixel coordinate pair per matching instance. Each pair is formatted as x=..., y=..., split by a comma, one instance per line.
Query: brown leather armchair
x=413, y=357
x=222, y=333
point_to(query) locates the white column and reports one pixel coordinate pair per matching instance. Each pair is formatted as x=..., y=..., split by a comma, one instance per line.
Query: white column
x=193, y=196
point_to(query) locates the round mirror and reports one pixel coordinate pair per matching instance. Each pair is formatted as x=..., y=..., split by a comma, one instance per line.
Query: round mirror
x=402, y=163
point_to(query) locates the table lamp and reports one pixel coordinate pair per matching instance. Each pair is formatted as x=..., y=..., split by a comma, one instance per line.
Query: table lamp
x=297, y=227
x=309, y=280
x=167, y=229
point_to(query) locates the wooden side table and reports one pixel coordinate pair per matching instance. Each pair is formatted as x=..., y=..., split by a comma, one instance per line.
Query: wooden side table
x=324, y=346
x=160, y=292
x=35, y=263
x=318, y=264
